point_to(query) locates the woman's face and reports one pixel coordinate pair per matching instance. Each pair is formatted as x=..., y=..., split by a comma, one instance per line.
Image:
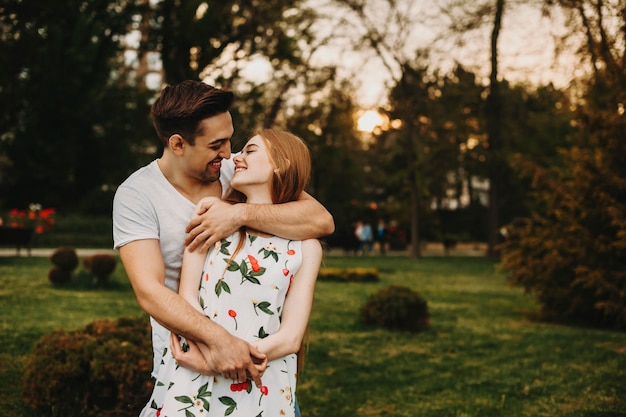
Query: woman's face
x=254, y=171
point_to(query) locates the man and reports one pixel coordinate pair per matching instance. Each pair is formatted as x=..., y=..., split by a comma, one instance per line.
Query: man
x=151, y=220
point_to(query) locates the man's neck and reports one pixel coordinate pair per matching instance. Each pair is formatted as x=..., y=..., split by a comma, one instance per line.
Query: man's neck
x=192, y=189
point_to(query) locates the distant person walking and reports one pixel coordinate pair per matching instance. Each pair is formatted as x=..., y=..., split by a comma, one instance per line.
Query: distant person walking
x=381, y=236
x=363, y=232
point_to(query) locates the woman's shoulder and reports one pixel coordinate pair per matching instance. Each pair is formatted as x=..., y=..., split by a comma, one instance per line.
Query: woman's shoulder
x=311, y=245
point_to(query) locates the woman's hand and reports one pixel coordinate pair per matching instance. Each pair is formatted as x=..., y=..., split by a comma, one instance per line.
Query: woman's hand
x=191, y=359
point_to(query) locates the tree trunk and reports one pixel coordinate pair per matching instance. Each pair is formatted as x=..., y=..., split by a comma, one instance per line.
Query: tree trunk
x=494, y=130
x=413, y=193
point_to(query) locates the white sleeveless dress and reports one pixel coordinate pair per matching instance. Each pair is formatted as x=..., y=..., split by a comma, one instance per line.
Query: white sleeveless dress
x=245, y=295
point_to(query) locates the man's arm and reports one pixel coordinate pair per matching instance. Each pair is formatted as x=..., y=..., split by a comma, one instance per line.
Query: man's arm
x=230, y=356
x=303, y=219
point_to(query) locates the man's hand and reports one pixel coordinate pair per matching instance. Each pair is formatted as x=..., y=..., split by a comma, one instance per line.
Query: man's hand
x=214, y=220
x=237, y=360
x=222, y=360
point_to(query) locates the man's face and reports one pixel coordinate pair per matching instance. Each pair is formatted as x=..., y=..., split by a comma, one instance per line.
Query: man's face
x=205, y=158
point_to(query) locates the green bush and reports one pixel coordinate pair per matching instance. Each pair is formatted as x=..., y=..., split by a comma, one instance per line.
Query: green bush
x=65, y=258
x=396, y=308
x=349, y=274
x=78, y=231
x=100, y=266
x=101, y=370
x=58, y=276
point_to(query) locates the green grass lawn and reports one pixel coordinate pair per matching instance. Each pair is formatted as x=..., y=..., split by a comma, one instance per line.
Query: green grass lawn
x=480, y=357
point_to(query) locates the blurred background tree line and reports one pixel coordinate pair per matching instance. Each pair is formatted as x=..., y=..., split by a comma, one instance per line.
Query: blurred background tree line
x=461, y=153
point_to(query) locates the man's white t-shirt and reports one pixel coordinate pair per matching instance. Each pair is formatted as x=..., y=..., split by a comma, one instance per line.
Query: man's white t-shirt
x=147, y=206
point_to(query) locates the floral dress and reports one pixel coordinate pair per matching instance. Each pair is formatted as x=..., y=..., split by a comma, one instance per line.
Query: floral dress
x=245, y=295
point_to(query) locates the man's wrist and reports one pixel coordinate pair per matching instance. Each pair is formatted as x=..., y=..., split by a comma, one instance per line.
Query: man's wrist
x=242, y=215
x=213, y=334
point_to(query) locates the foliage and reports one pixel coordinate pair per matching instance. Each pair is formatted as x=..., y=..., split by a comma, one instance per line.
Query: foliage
x=74, y=230
x=101, y=370
x=213, y=28
x=571, y=255
x=58, y=276
x=222, y=40
x=65, y=258
x=100, y=266
x=70, y=116
x=349, y=274
x=37, y=218
x=64, y=261
x=571, y=252
x=336, y=154
x=396, y=308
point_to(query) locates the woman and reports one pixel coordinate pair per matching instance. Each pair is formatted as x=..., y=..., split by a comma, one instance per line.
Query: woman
x=258, y=287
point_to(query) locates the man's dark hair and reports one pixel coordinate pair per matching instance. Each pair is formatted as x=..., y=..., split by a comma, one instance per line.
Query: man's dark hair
x=181, y=107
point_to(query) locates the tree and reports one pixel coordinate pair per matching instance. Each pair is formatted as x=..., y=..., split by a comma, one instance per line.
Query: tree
x=390, y=43
x=571, y=253
x=219, y=40
x=471, y=18
x=494, y=129
x=325, y=120
x=68, y=118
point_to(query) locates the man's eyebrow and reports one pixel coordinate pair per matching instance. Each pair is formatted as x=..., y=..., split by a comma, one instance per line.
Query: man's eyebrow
x=218, y=141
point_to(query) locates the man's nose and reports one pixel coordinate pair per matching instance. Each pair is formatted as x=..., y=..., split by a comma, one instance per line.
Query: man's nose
x=225, y=151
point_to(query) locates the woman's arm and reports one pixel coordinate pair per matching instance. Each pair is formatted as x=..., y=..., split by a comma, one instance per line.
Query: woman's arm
x=226, y=355
x=195, y=356
x=190, y=276
x=297, y=307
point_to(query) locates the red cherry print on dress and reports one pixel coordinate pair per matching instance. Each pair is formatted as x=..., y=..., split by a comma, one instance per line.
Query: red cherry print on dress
x=264, y=391
x=233, y=314
x=290, y=252
x=239, y=386
x=206, y=277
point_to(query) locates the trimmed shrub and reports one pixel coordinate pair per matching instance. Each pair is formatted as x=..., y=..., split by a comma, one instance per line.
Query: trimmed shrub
x=101, y=370
x=65, y=261
x=65, y=258
x=396, y=308
x=58, y=276
x=348, y=274
x=100, y=266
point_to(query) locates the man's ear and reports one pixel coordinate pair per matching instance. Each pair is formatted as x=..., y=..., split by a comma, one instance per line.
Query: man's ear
x=176, y=143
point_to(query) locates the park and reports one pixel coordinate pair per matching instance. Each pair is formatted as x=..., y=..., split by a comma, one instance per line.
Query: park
x=482, y=355
x=484, y=140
